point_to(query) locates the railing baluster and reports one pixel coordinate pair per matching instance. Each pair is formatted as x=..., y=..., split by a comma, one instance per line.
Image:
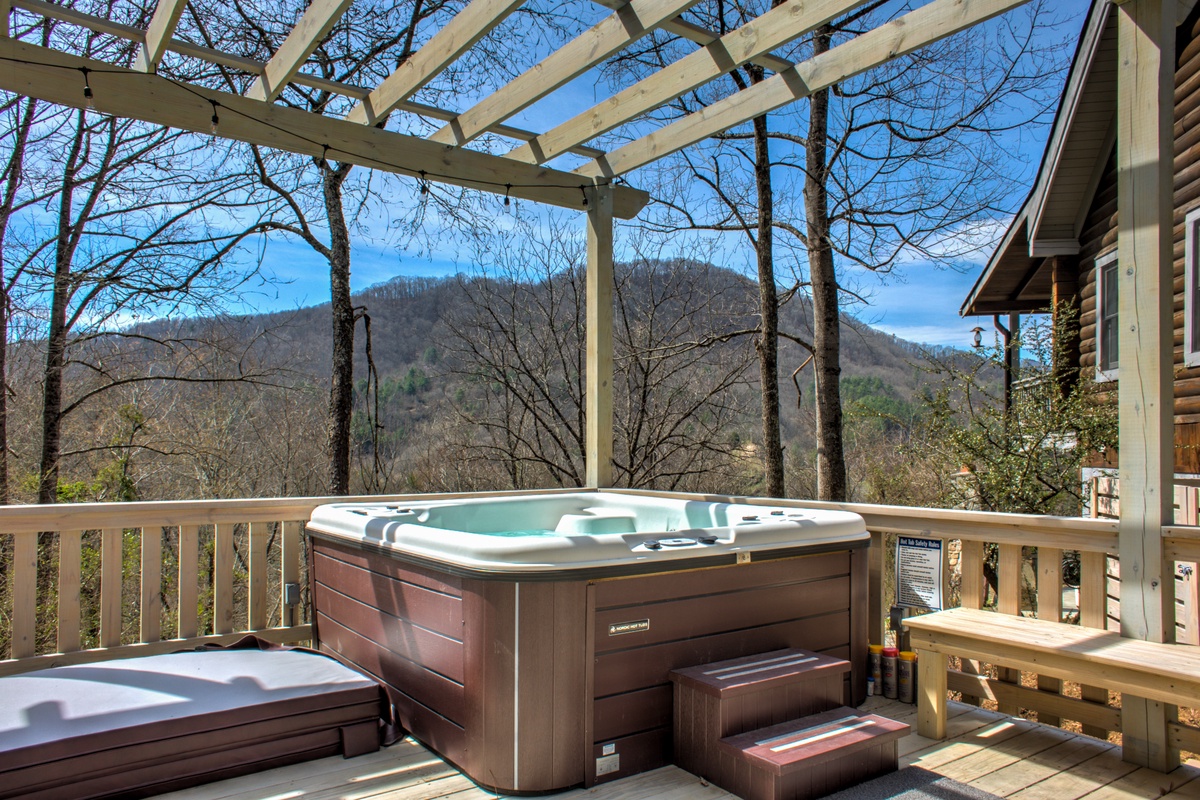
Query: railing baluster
x=1049, y=606
x=256, y=612
x=291, y=551
x=24, y=619
x=1093, y=613
x=972, y=587
x=189, y=580
x=70, y=545
x=223, y=578
x=971, y=591
x=1008, y=601
x=111, y=569
x=150, y=608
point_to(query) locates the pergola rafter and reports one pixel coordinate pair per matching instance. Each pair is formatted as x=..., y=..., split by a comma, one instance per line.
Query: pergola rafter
x=318, y=20
x=611, y=35
x=458, y=36
x=159, y=33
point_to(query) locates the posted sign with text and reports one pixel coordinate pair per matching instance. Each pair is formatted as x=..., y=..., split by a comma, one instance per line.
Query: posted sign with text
x=919, y=573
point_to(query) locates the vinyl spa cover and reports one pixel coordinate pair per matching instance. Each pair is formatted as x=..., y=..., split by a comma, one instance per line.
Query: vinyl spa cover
x=144, y=726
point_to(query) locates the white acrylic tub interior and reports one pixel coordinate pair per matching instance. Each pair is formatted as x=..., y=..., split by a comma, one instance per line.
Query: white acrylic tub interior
x=579, y=530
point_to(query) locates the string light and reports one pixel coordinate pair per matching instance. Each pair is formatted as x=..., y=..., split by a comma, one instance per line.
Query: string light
x=87, y=89
x=424, y=176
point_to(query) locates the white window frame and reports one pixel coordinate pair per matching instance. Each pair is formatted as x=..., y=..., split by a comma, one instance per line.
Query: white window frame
x=1103, y=375
x=1191, y=289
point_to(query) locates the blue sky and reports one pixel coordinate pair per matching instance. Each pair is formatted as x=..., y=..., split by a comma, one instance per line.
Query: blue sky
x=917, y=302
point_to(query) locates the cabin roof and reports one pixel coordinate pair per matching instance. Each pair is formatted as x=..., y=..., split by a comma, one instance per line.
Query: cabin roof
x=1017, y=276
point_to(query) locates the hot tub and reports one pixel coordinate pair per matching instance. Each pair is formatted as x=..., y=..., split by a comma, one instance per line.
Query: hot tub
x=525, y=638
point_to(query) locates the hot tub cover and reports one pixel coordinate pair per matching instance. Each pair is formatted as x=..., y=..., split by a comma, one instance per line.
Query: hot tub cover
x=143, y=726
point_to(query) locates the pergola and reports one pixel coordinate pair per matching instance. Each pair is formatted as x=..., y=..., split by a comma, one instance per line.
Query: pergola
x=1144, y=152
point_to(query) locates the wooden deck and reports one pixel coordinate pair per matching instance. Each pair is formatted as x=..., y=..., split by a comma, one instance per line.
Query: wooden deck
x=1004, y=756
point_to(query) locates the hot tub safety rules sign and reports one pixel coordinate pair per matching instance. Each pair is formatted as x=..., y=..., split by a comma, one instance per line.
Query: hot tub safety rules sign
x=919, y=573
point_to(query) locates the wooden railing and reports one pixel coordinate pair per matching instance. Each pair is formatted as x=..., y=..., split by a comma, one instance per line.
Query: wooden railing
x=177, y=574
x=96, y=581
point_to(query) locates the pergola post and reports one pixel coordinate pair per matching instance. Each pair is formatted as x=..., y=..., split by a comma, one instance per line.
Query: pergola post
x=1145, y=115
x=598, y=386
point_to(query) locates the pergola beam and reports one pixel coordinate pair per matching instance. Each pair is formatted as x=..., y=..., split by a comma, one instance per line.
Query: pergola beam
x=159, y=33
x=625, y=26
x=317, y=21
x=459, y=35
x=254, y=67
x=777, y=27
x=56, y=77
x=914, y=30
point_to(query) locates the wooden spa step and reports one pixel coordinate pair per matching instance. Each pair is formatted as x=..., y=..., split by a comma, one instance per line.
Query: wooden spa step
x=724, y=698
x=811, y=757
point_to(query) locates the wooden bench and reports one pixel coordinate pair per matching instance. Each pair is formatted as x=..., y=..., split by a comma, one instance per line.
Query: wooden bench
x=1165, y=673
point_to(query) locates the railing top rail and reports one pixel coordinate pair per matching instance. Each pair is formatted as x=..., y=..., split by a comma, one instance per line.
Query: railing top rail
x=92, y=516
x=1069, y=533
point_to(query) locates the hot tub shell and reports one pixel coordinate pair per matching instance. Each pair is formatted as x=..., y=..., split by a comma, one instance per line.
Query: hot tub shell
x=529, y=660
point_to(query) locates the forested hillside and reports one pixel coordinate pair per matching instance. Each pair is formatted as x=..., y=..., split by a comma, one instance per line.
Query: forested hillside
x=464, y=383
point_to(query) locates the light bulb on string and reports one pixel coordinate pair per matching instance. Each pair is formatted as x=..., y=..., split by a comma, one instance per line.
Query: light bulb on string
x=88, y=98
x=216, y=120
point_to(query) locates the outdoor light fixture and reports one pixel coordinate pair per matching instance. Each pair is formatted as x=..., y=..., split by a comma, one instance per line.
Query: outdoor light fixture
x=87, y=89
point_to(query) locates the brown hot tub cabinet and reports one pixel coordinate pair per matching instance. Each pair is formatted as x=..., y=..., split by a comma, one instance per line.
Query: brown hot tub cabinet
x=530, y=674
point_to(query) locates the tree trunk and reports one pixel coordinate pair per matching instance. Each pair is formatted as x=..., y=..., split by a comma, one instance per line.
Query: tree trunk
x=56, y=338
x=767, y=344
x=56, y=347
x=341, y=386
x=831, y=464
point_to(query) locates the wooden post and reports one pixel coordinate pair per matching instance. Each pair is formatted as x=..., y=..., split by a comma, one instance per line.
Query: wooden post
x=1145, y=117
x=1008, y=601
x=876, y=603
x=599, y=406
x=1049, y=607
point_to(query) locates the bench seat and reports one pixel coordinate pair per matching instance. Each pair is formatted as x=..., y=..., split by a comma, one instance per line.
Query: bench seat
x=1165, y=673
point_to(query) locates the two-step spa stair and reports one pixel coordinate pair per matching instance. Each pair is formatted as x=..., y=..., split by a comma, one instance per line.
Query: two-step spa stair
x=773, y=726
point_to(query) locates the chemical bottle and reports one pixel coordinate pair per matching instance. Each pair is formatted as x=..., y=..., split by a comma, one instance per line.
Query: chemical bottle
x=889, y=659
x=906, y=676
x=875, y=665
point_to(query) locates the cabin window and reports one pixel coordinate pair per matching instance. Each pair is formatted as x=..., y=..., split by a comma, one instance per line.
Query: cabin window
x=1191, y=290
x=1106, y=317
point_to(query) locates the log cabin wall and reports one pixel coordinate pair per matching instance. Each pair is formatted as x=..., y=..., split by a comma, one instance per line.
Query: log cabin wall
x=1098, y=237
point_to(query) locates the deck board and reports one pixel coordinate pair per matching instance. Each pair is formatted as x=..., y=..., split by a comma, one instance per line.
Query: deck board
x=1008, y=757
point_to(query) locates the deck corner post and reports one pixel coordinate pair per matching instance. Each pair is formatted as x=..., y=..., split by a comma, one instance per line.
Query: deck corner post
x=598, y=405
x=1145, y=203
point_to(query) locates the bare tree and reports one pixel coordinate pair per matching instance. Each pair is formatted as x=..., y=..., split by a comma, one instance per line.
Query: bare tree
x=320, y=201
x=679, y=395
x=890, y=165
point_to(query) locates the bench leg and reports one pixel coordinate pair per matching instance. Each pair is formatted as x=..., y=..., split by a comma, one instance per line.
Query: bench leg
x=931, y=694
